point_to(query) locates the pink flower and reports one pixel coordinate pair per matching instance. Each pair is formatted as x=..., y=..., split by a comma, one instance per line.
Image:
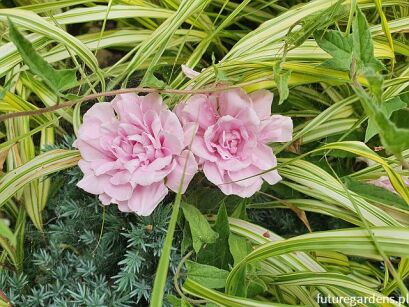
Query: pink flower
x=189, y=72
x=229, y=133
x=132, y=152
x=384, y=182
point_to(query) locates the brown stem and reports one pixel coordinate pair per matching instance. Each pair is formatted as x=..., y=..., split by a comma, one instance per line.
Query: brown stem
x=67, y=104
x=5, y=298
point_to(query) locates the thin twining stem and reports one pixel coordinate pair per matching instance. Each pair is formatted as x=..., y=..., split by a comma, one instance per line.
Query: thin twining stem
x=68, y=104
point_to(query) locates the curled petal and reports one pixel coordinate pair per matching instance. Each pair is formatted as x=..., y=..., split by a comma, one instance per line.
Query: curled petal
x=152, y=101
x=102, y=112
x=189, y=72
x=89, y=152
x=185, y=163
x=238, y=104
x=93, y=184
x=277, y=128
x=199, y=149
x=262, y=100
x=146, y=198
x=236, y=189
x=119, y=192
x=264, y=159
x=199, y=109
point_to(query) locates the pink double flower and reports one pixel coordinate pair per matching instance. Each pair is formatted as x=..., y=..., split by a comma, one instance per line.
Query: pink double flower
x=134, y=149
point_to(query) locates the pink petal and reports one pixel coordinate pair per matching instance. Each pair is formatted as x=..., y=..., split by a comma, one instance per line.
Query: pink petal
x=189, y=133
x=121, y=177
x=170, y=123
x=85, y=166
x=103, y=166
x=262, y=101
x=189, y=72
x=123, y=206
x=147, y=177
x=238, y=104
x=251, y=173
x=234, y=164
x=120, y=192
x=93, y=184
x=199, y=148
x=277, y=128
x=201, y=109
x=152, y=101
x=105, y=199
x=236, y=189
x=88, y=152
x=264, y=159
x=89, y=130
x=213, y=173
x=145, y=199
x=126, y=105
x=102, y=111
x=158, y=164
x=174, y=178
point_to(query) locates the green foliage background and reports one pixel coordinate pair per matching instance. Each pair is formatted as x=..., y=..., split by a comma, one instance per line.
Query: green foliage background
x=338, y=68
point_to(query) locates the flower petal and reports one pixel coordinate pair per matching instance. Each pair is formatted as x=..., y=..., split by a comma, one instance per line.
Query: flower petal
x=189, y=72
x=175, y=177
x=146, y=198
x=101, y=111
x=88, y=152
x=93, y=184
x=277, y=128
x=236, y=189
x=119, y=192
x=262, y=100
x=199, y=148
x=238, y=104
x=213, y=173
x=251, y=173
x=264, y=159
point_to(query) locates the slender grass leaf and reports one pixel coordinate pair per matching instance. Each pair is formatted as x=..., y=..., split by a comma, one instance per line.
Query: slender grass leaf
x=221, y=299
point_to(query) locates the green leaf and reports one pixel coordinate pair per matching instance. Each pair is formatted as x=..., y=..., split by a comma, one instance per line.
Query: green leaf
x=387, y=108
x=255, y=287
x=207, y=275
x=178, y=302
x=240, y=211
x=6, y=232
x=375, y=193
x=57, y=80
x=362, y=42
x=281, y=80
x=218, y=254
x=394, y=139
x=186, y=240
x=338, y=46
x=317, y=21
x=200, y=229
x=239, y=247
x=150, y=80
